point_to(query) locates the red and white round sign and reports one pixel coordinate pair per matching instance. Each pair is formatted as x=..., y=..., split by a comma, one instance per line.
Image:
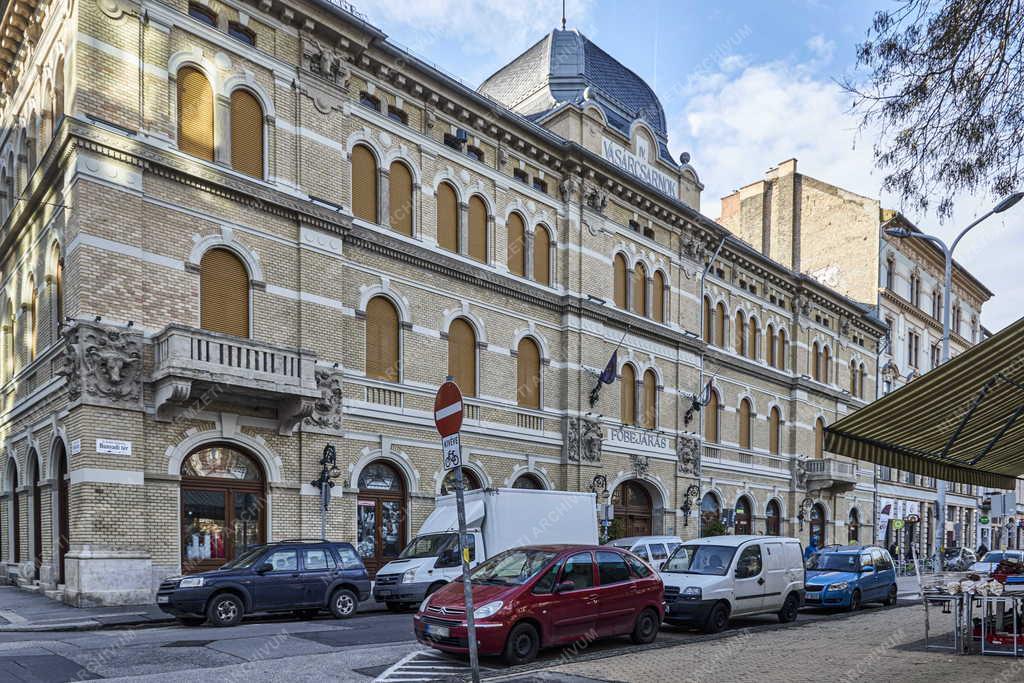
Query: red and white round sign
x=448, y=409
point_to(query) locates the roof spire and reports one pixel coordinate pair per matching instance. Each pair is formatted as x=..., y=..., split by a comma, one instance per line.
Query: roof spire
x=563, y=15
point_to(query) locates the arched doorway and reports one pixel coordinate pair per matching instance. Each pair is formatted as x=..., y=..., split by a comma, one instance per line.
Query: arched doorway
x=223, y=507
x=36, y=547
x=773, y=519
x=854, y=527
x=63, y=508
x=818, y=536
x=633, y=507
x=381, y=515
x=710, y=515
x=528, y=481
x=470, y=482
x=743, y=517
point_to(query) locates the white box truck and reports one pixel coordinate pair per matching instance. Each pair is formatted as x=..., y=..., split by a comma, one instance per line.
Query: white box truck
x=496, y=520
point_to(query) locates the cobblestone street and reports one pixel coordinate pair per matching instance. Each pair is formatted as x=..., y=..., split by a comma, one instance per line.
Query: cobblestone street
x=875, y=645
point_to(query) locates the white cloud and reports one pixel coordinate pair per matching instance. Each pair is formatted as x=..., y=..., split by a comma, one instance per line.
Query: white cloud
x=821, y=47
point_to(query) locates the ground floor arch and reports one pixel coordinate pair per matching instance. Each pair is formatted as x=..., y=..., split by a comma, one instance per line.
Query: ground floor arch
x=382, y=508
x=634, y=509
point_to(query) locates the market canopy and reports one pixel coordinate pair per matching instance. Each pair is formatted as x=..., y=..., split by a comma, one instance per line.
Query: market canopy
x=960, y=422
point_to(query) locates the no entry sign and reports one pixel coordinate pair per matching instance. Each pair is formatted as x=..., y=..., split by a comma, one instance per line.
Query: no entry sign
x=448, y=409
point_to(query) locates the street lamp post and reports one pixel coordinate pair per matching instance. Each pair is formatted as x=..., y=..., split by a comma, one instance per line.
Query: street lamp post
x=325, y=482
x=940, y=486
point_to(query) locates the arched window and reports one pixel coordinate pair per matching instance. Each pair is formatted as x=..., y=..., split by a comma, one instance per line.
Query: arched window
x=740, y=333
x=6, y=194
x=773, y=518
x=711, y=419
x=720, y=325
x=627, y=395
x=890, y=274
x=57, y=97
x=542, y=255
x=528, y=374
x=57, y=268
x=709, y=322
x=33, y=321
x=528, y=481
x=400, y=207
x=195, y=113
x=515, y=245
x=447, y=218
x=862, y=374
x=742, y=517
x=769, y=344
x=223, y=293
x=621, y=275
x=853, y=526
x=783, y=350
x=470, y=482
x=383, y=341
x=22, y=170
x=853, y=378
x=33, y=142
x=745, y=419
x=9, y=332
x=477, y=229
x=364, y=183
x=246, y=133
x=658, y=297
x=815, y=361
x=819, y=438
x=710, y=514
x=774, y=431
x=650, y=400
x=752, y=338
x=640, y=289
x=462, y=356
x=826, y=364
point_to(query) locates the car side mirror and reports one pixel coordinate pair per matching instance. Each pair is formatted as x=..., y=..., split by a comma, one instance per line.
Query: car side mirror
x=661, y=566
x=264, y=568
x=564, y=586
x=867, y=569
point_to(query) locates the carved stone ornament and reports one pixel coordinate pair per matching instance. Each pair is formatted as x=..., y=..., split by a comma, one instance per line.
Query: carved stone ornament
x=112, y=8
x=844, y=326
x=595, y=199
x=799, y=473
x=688, y=450
x=694, y=248
x=801, y=305
x=583, y=439
x=327, y=409
x=103, y=363
x=570, y=189
x=324, y=62
x=640, y=463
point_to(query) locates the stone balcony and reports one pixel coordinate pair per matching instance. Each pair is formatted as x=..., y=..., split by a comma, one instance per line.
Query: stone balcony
x=193, y=368
x=830, y=473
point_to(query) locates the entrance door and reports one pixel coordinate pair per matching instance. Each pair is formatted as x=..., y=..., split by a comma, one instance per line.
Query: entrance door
x=818, y=525
x=743, y=516
x=63, y=509
x=380, y=515
x=633, y=506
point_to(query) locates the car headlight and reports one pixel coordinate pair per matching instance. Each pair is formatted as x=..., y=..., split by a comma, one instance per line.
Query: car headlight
x=692, y=593
x=409, y=576
x=841, y=586
x=192, y=582
x=487, y=610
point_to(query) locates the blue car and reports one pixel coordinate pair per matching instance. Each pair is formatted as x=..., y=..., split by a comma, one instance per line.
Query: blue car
x=849, y=576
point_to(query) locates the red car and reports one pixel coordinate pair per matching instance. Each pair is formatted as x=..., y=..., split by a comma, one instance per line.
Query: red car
x=538, y=596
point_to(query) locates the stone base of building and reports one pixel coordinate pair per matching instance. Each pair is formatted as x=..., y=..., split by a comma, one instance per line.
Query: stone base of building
x=97, y=577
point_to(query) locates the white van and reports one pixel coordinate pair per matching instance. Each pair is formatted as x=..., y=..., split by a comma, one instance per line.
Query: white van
x=709, y=580
x=651, y=549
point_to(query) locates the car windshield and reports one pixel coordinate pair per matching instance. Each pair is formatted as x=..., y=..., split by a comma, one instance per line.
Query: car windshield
x=951, y=552
x=512, y=567
x=700, y=559
x=246, y=559
x=836, y=562
x=430, y=545
x=999, y=557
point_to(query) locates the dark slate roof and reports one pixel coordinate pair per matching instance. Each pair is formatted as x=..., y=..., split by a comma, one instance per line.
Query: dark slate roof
x=560, y=68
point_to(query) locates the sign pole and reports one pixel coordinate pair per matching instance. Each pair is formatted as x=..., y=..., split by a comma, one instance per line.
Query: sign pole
x=467, y=587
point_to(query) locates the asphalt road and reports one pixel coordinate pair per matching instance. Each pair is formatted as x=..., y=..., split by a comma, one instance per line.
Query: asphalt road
x=359, y=649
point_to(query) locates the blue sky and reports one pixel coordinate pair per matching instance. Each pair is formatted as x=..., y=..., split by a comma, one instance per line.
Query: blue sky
x=744, y=85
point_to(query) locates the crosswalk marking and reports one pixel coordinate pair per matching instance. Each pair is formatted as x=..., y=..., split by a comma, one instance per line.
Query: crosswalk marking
x=424, y=665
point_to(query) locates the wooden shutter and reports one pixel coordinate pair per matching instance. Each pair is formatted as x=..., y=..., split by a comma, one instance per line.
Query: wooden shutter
x=770, y=345
x=462, y=356
x=400, y=198
x=752, y=340
x=528, y=374
x=650, y=400
x=627, y=395
x=658, y=302
x=708, y=322
x=740, y=333
x=515, y=245
x=720, y=325
x=382, y=344
x=477, y=229
x=853, y=378
x=640, y=290
x=224, y=293
x=815, y=362
x=364, y=184
x=58, y=268
x=826, y=364
x=34, y=312
x=246, y=133
x=195, y=113
x=782, y=350
x=774, y=432
x=819, y=438
x=541, y=255
x=711, y=419
x=447, y=218
x=744, y=423
x=620, y=282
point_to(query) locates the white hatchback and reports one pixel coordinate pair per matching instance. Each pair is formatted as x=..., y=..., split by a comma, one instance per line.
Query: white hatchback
x=709, y=580
x=651, y=549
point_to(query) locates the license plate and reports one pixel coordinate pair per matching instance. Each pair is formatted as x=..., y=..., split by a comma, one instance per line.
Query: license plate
x=161, y=599
x=436, y=631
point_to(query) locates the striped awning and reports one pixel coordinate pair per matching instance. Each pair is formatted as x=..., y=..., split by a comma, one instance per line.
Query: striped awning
x=961, y=422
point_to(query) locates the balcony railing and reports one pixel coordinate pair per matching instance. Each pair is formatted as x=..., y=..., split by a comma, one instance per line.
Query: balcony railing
x=741, y=456
x=830, y=473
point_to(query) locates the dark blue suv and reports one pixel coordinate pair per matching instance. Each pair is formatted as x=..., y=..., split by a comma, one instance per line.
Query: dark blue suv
x=288, y=576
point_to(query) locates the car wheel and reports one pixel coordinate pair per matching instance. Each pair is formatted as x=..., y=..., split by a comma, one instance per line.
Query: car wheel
x=890, y=598
x=225, y=609
x=646, y=628
x=717, y=620
x=343, y=603
x=522, y=645
x=854, y=602
x=191, y=621
x=790, y=608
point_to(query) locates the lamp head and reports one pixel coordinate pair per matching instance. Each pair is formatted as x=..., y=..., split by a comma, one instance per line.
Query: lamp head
x=1008, y=202
x=897, y=232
